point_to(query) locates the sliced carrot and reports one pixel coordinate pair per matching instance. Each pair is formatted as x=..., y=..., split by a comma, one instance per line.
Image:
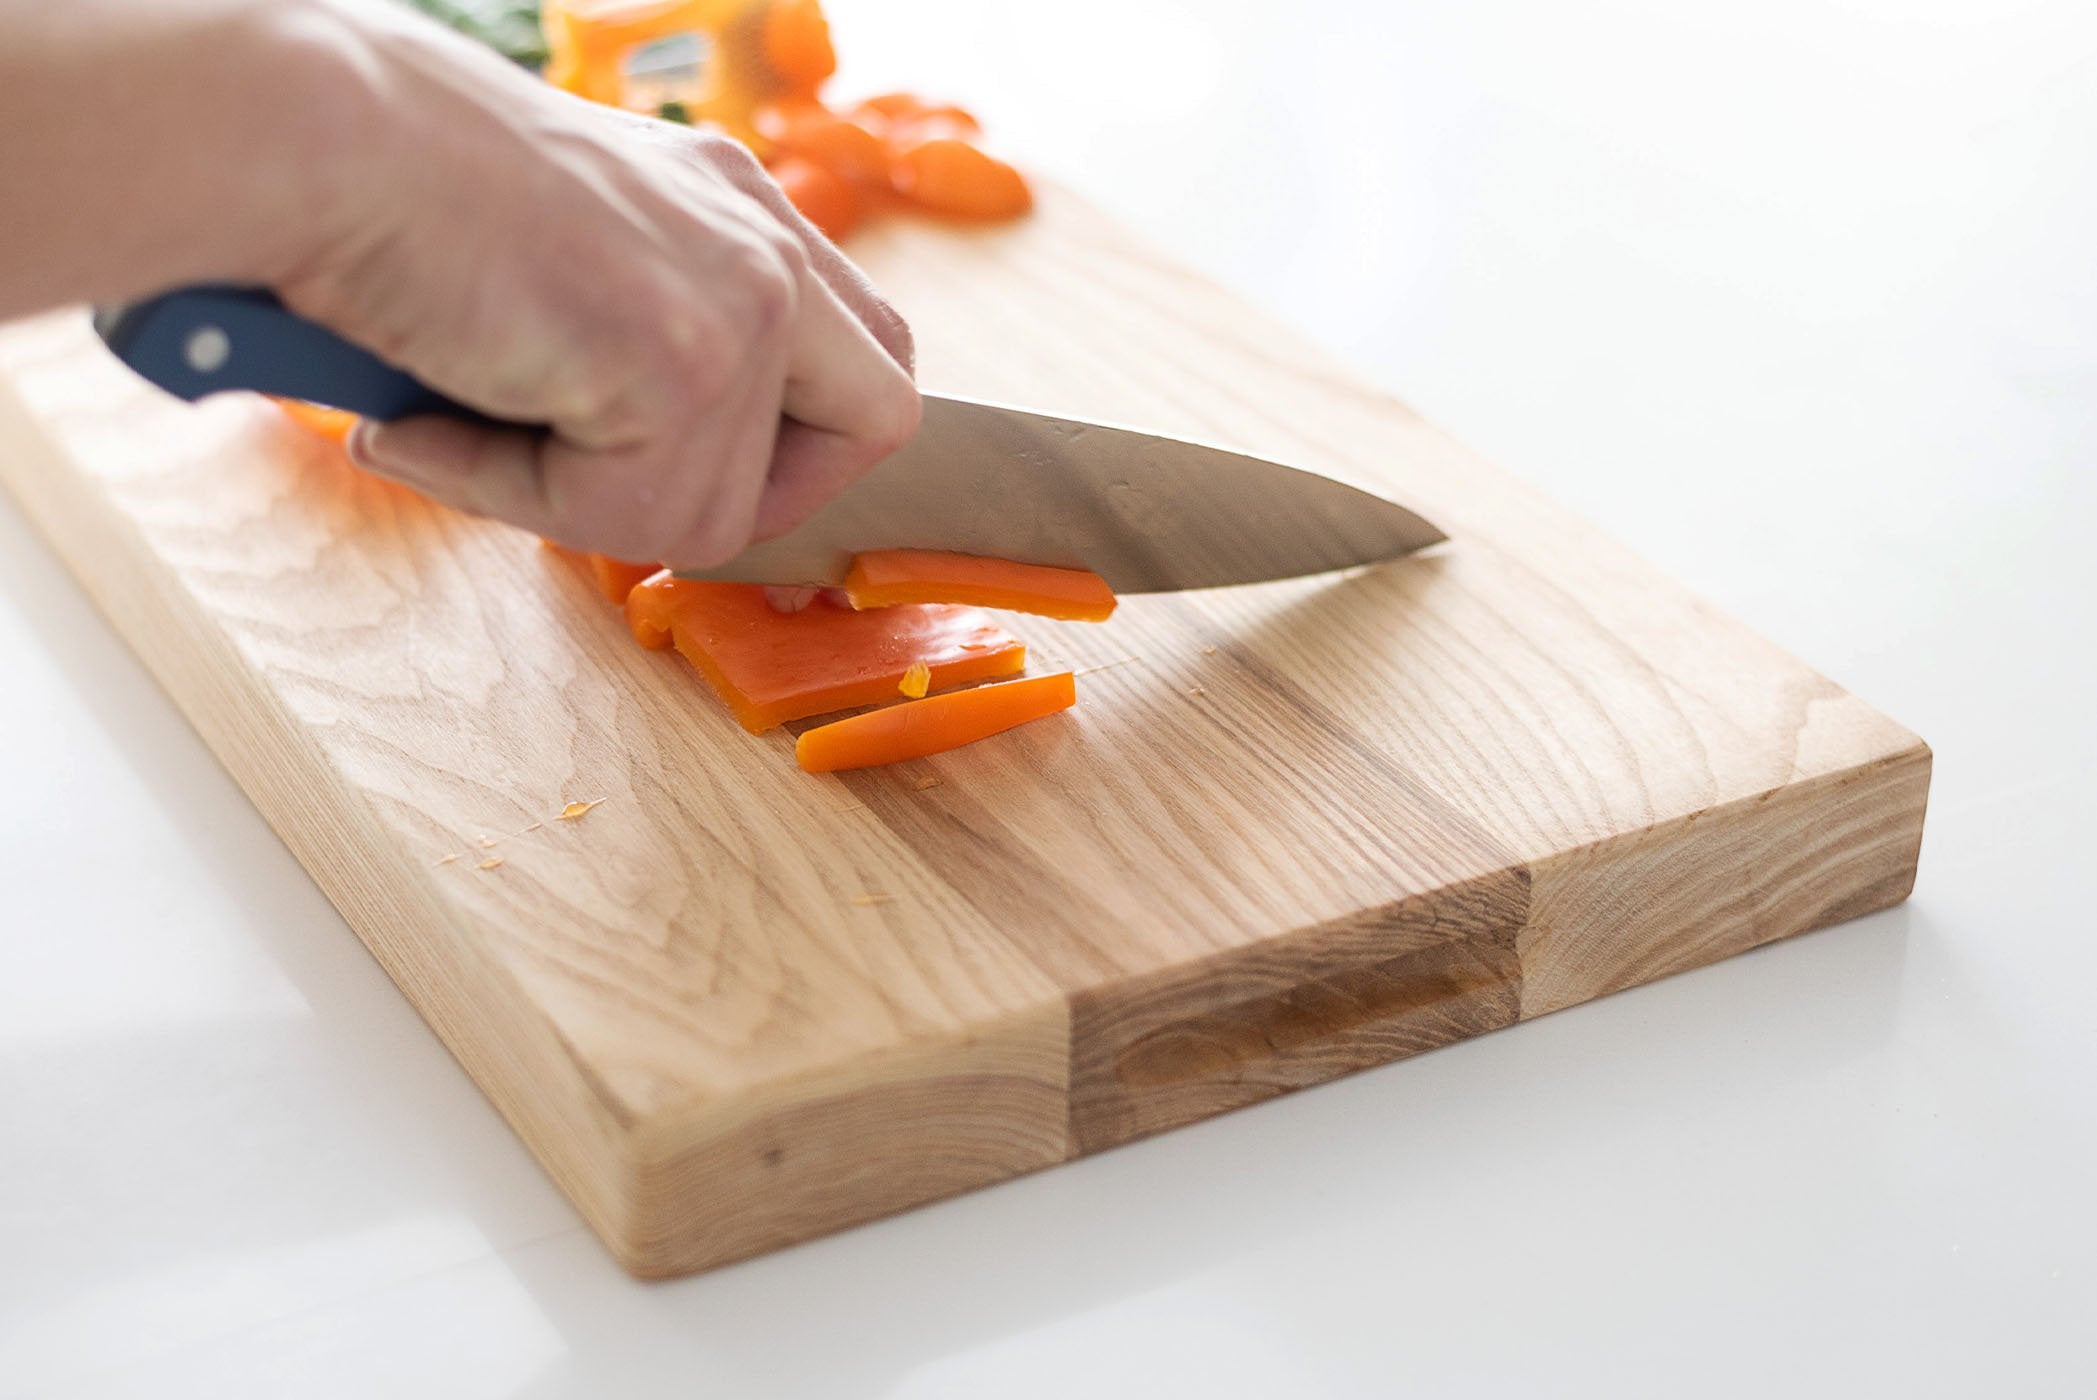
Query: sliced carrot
x=838, y=143
x=823, y=196
x=797, y=44
x=949, y=175
x=917, y=728
x=615, y=578
x=896, y=112
x=772, y=667
x=884, y=577
x=334, y=424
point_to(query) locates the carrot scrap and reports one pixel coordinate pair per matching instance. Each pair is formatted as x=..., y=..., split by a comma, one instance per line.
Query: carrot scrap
x=896, y=114
x=576, y=811
x=917, y=728
x=490, y=863
x=773, y=667
x=334, y=424
x=841, y=144
x=615, y=578
x=951, y=175
x=824, y=197
x=797, y=44
x=884, y=577
x=917, y=681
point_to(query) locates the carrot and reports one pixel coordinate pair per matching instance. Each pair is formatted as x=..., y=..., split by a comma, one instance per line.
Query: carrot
x=334, y=424
x=895, y=113
x=773, y=667
x=823, y=196
x=615, y=578
x=797, y=45
x=948, y=175
x=837, y=143
x=884, y=577
x=917, y=728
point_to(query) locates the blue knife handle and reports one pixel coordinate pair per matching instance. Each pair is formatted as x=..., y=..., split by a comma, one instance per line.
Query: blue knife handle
x=199, y=340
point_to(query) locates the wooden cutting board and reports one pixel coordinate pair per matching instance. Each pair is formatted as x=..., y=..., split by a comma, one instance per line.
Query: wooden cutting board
x=1291, y=830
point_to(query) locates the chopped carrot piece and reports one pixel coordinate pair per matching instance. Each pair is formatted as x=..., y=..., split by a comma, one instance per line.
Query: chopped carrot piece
x=334, y=424
x=917, y=681
x=917, y=728
x=949, y=175
x=772, y=667
x=823, y=196
x=839, y=144
x=897, y=112
x=615, y=578
x=884, y=577
x=797, y=44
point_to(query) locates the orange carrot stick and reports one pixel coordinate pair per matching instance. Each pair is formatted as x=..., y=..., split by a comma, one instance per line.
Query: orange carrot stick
x=916, y=728
x=884, y=577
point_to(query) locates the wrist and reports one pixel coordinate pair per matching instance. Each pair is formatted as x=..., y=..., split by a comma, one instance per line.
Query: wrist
x=311, y=80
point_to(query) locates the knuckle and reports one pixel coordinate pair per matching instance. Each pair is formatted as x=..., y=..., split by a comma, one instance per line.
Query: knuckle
x=895, y=423
x=770, y=277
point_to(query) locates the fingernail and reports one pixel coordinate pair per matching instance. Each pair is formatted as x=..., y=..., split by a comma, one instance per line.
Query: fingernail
x=373, y=447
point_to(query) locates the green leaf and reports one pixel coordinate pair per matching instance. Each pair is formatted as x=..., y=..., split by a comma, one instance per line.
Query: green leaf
x=510, y=27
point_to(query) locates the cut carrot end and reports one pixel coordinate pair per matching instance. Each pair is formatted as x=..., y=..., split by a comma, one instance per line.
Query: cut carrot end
x=616, y=578
x=951, y=175
x=334, y=424
x=889, y=577
x=797, y=44
x=824, y=197
x=919, y=728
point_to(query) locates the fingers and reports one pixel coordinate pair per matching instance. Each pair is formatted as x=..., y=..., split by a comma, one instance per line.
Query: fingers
x=838, y=272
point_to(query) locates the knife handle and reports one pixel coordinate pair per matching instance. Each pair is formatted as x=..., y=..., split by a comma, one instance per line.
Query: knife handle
x=202, y=339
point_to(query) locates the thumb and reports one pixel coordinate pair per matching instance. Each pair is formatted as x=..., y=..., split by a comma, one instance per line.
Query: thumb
x=469, y=466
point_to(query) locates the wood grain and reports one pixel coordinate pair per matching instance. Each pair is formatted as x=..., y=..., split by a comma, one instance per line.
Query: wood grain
x=1291, y=830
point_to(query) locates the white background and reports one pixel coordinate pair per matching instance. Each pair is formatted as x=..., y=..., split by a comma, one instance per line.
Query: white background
x=1798, y=296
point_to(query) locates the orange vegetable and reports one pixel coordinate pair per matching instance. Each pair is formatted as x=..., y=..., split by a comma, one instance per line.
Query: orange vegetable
x=948, y=175
x=895, y=114
x=334, y=424
x=884, y=577
x=837, y=143
x=823, y=196
x=917, y=728
x=773, y=667
x=615, y=578
x=797, y=45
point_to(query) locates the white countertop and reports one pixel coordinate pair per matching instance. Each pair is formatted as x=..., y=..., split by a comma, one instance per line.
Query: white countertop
x=1800, y=298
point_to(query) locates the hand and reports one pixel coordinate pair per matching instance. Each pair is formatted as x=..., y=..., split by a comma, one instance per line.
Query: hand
x=711, y=369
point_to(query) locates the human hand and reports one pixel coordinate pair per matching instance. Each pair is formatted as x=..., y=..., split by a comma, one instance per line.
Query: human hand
x=709, y=367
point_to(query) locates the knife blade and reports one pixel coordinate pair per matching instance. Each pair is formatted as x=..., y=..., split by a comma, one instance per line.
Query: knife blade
x=1147, y=512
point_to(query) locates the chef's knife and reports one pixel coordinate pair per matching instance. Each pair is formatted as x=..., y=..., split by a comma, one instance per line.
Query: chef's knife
x=1148, y=513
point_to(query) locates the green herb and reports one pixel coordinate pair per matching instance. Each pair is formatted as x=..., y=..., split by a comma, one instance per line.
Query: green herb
x=510, y=27
x=675, y=111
